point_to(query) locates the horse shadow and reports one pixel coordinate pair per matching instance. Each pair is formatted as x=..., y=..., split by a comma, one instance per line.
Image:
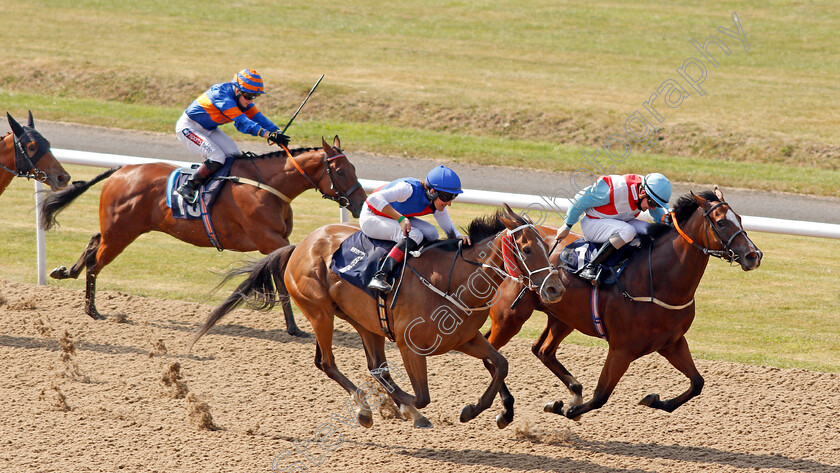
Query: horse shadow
x=702, y=457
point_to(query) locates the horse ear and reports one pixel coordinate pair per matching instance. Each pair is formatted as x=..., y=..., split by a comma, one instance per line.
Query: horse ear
x=16, y=128
x=509, y=224
x=701, y=201
x=336, y=142
x=719, y=194
x=324, y=144
x=31, y=123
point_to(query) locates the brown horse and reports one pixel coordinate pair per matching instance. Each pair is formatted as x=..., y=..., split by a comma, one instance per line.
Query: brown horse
x=441, y=312
x=245, y=217
x=649, y=310
x=25, y=153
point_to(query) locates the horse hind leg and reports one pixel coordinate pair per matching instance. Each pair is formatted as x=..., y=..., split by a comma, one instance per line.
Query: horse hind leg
x=73, y=273
x=679, y=356
x=614, y=368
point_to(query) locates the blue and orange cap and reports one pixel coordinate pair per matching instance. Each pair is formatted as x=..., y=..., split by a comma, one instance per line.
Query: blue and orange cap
x=248, y=81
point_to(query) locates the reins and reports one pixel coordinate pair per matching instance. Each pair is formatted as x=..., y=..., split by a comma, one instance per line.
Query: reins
x=341, y=197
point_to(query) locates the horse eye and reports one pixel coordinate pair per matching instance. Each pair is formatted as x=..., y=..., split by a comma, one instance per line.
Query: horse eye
x=721, y=223
x=527, y=250
x=31, y=148
x=340, y=172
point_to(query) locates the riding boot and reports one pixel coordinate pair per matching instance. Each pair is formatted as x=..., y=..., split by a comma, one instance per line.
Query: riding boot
x=189, y=189
x=590, y=271
x=381, y=280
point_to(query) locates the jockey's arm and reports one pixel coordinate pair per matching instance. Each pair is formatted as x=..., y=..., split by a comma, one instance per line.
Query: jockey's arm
x=591, y=196
x=446, y=224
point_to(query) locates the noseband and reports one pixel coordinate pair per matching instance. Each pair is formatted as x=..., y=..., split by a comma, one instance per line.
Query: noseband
x=726, y=254
x=24, y=165
x=511, y=254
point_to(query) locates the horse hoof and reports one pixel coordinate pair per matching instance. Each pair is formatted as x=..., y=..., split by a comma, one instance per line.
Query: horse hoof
x=95, y=315
x=467, y=413
x=501, y=421
x=650, y=400
x=299, y=333
x=365, y=419
x=423, y=423
x=59, y=273
x=554, y=407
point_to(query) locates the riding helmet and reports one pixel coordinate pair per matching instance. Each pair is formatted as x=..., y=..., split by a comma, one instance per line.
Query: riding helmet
x=248, y=81
x=658, y=187
x=443, y=179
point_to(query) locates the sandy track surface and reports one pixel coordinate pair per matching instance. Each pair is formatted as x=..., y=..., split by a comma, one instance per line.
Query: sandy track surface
x=85, y=396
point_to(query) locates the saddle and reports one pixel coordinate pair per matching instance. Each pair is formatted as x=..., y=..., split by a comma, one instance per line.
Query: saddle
x=208, y=192
x=580, y=252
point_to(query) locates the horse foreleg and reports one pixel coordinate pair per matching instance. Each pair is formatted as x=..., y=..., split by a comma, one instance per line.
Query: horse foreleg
x=614, y=368
x=90, y=296
x=63, y=273
x=381, y=369
x=545, y=348
x=415, y=367
x=480, y=348
x=323, y=325
x=679, y=356
x=506, y=322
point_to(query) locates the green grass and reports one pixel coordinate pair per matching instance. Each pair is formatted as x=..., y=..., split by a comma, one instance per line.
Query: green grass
x=771, y=316
x=528, y=84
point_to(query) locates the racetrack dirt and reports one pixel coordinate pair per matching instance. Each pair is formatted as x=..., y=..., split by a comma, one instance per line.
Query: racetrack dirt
x=86, y=396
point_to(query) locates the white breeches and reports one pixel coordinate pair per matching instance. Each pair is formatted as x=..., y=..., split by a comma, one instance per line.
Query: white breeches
x=385, y=228
x=599, y=230
x=214, y=145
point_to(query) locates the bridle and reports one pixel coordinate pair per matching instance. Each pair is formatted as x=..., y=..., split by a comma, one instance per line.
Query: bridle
x=24, y=165
x=726, y=253
x=511, y=254
x=341, y=196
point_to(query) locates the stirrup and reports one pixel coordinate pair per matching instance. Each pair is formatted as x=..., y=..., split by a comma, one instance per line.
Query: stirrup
x=189, y=195
x=589, y=273
x=378, y=284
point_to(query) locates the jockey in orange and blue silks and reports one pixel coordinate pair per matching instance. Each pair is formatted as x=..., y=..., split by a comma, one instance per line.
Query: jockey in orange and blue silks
x=609, y=209
x=391, y=213
x=198, y=128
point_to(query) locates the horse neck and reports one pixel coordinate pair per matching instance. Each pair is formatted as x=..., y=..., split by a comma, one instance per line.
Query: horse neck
x=287, y=178
x=7, y=158
x=476, y=279
x=677, y=264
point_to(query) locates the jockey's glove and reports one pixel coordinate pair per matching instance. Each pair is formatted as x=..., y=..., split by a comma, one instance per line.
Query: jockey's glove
x=277, y=137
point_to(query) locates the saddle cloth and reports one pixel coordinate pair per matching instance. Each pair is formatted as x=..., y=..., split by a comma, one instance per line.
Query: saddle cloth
x=580, y=252
x=209, y=191
x=358, y=258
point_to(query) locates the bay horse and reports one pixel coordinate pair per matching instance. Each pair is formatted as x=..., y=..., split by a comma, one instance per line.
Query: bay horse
x=648, y=310
x=426, y=319
x=24, y=152
x=245, y=217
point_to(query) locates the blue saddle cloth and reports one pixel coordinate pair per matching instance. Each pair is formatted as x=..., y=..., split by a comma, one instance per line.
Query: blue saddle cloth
x=579, y=252
x=358, y=258
x=209, y=191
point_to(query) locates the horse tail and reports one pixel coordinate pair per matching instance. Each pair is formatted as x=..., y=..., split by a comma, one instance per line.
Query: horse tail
x=56, y=201
x=258, y=291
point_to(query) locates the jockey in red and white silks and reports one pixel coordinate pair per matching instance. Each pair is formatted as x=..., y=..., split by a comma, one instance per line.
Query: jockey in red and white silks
x=391, y=213
x=610, y=207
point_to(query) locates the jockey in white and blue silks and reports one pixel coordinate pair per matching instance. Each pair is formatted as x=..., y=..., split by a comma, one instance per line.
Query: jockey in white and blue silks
x=610, y=207
x=390, y=213
x=198, y=128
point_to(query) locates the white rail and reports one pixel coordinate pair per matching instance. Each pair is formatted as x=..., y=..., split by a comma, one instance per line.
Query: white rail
x=535, y=203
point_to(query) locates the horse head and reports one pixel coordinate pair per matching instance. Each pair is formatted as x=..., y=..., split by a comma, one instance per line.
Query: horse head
x=344, y=186
x=525, y=256
x=33, y=157
x=724, y=233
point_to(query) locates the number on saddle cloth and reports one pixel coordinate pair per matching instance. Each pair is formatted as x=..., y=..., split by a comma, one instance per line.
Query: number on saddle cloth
x=575, y=256
x=358, y=258
x=210, y=190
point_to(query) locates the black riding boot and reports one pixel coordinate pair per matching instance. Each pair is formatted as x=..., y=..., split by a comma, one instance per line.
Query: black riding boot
x=590, y=271
x=381, y=280
x=189, y=189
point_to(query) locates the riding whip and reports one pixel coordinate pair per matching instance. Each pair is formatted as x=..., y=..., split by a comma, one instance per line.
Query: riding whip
x=301, y=105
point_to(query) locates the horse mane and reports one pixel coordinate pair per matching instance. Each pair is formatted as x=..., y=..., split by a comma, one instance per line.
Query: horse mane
x=489, y=225
x=683, y=210
x=282, y=153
